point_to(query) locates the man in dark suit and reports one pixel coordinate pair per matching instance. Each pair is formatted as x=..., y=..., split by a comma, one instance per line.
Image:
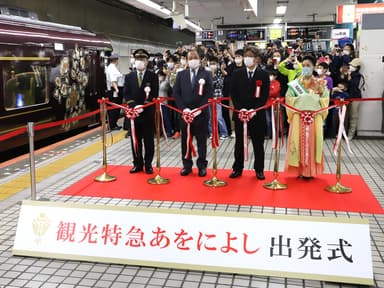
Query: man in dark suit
x=192, y=89
x=136, y=87
x=244, y=96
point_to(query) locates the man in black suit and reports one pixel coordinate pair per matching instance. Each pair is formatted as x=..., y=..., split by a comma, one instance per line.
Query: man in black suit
x=244, y=96
x=192, y=89
x=140, y=87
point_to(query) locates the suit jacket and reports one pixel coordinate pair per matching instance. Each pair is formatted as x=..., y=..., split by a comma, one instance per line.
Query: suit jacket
x=243, y=89
x=135, y=95
x=186, y=94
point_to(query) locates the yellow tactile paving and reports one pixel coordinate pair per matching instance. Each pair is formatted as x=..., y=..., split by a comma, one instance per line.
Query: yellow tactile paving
x=22, y=182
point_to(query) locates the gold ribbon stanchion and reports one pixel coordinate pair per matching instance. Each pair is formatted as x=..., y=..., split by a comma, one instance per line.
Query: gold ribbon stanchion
x=338, y=187
x=276, y=184
x=158, y=180
x=214, y=182
x=103, y=113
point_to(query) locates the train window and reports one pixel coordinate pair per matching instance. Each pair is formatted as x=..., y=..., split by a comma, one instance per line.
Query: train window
x=25, y=84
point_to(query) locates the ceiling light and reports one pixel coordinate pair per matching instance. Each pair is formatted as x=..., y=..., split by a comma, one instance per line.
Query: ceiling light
x=186, y=9
x=155, y=6
x=253, y=4
x=277, y=21
x=281, y=9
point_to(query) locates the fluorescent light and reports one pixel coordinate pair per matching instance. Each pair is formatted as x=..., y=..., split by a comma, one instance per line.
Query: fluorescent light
x=277, y=21
x=253, y=4
x=193, y=25
x=281, y=9
x=155, y=6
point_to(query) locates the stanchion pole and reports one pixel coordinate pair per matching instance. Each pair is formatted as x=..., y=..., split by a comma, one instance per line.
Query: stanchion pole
x=103, y=113
x=214, y=182
x=338, y=187
x=32, y=169
x=276, y=184
x=158, y=180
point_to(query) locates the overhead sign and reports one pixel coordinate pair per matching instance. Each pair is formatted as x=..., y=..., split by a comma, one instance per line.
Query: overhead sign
x=353, y=13
x=329, y=249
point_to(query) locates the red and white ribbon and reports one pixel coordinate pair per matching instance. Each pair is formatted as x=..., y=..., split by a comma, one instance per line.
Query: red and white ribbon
x=188, y=117
x=307, y=118
x=132, y=114
x=274, y=142
x=201, y=86
x=259, y=83
x=341, y=132
x=245, y=116
x=147, y=90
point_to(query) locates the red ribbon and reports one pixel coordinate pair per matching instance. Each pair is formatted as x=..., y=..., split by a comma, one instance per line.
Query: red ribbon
x=259, y=83
x=188, y=117
x=245, y=116
x=215, y=130
x=132, y=114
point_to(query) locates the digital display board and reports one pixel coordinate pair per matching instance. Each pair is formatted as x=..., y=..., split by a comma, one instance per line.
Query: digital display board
x=208, y=35
x=308, y=33
x=239, y=35
x=255, y=34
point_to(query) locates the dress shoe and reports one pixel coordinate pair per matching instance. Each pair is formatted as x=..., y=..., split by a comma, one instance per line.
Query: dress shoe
x=185, y=171
x=136, y=169
x=235, y=174
x=260, y=175
x=149, y=170
x=202, y=172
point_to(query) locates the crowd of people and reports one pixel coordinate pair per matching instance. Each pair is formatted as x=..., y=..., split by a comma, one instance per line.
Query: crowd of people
x=248, y=77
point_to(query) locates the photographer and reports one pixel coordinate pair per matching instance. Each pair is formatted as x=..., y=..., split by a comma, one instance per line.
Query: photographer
x=290, y=67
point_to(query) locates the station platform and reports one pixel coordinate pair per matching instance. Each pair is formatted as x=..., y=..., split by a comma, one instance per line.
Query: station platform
x=61, y=165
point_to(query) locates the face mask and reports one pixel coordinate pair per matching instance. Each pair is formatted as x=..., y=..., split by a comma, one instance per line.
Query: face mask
x=170, y=65
x=132, y=61
x=346, y=52
x=249, y=61
x=307, y=71
x=352, y=69
x=320, y=71
x=183, y=62
x=213, y=67
x=277, y=59
x=139, y=65
x=295, y=66
x=194, y=63
x=271, y=78
x=238, y=61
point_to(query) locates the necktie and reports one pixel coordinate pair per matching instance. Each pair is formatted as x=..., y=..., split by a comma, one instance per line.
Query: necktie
x=250, y=75
x=193, y=80
x=140, y=79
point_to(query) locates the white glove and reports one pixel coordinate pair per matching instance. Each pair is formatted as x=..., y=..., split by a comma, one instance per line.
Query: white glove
x=139, y=108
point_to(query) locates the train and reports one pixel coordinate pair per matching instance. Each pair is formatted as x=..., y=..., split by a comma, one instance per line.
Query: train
x=51, y=72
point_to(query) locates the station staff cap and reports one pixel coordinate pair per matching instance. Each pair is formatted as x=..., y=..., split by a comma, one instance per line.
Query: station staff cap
x=141, y=53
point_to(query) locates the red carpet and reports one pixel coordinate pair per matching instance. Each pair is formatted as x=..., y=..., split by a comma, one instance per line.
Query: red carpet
x=246, y=190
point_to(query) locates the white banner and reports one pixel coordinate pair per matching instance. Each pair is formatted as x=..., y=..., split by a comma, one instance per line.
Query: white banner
x=330, y=249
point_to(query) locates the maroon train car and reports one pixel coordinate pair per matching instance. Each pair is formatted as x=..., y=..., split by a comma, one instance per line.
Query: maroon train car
x=49, y=72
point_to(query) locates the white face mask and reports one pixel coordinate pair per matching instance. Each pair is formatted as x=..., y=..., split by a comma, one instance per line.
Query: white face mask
x=139, y=65
x=183, y=62
x=320, y=71
x=352, y=69
x=238, y=60
x=295, y=66
x=170, y=65
x=346, y=52
x=271, y=78
x=132, y=61
x=194, y=63
x=277, y=59
x=249, y=61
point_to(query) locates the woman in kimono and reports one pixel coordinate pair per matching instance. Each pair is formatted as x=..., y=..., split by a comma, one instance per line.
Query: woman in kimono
x=305, y=139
